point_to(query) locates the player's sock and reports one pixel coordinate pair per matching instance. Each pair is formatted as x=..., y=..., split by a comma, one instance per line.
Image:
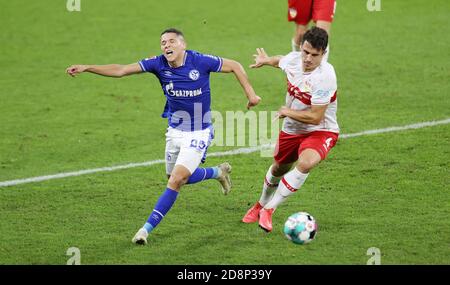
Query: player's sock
x=163, y=206
x=325, y=57
x=289, y=184
x=269, y=186
x=201, y=174
x=295, y=47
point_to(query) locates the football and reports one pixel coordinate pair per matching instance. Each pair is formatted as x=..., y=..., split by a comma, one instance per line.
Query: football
x=300, y=228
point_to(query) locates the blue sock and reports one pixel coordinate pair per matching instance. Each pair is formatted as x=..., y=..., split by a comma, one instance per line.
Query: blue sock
x=163, y=206
x=201, y=174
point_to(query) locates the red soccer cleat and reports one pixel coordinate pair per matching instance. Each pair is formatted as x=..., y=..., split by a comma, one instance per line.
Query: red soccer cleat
x=265, y=219
x=252, y=215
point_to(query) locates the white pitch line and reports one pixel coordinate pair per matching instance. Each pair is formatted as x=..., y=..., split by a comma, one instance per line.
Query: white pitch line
x=214, y=154
x=395, y=129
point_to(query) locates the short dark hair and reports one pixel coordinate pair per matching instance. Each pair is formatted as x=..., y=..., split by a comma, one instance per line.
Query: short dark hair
x=173, y=30
x=317, y=37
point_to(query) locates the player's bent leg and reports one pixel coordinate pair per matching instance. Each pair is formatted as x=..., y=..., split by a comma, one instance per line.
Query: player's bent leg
x=327, y=27
x=294, y=179
x=280, y=169
x=285, y=155
x=162, y=207
x=323, y=13
x=299, y=11
x=193, y=152
x=308, y=159
x=271, y=180
x=290, y=183
x=180, y=175
x=191, y=158
x=300, y=30
x=324, y=25
x=221, y=173
x=201, y=174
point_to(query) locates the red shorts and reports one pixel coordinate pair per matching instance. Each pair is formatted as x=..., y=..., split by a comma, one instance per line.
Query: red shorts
x=289, y=146
x=302, y=11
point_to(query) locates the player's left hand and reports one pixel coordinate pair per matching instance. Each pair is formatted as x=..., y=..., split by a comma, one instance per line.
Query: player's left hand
x=260, y=59
x=253, y=101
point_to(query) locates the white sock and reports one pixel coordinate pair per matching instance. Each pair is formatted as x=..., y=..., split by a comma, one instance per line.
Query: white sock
x=325, y=57
x=295, y=47
x=290, y=183
x=269, y=186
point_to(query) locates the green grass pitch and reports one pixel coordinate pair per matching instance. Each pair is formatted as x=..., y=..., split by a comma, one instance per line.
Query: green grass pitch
x=388, y=190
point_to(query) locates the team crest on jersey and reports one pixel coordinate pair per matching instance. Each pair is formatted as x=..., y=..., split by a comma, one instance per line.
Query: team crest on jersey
x=194, y=74
x=307, y=87
x=292, y=12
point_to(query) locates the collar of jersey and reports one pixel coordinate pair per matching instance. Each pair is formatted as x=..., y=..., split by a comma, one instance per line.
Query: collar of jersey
x=184, y=61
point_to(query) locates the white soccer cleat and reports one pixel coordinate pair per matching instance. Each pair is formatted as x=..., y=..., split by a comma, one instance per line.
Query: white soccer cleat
x=224, y=177
x=140, y=237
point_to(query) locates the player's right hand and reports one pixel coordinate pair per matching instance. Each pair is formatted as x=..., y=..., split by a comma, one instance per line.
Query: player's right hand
x=75, y=69
x=253, y=101
x=260, y=59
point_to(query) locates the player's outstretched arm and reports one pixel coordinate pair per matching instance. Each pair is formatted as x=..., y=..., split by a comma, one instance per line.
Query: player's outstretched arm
x=235, y=67
x=111, y=70
x=262, y=59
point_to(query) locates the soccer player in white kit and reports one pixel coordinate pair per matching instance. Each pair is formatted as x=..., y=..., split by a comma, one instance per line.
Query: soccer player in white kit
x=310, y=128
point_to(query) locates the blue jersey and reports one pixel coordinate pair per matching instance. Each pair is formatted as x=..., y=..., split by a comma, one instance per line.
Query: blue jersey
x=186, y=88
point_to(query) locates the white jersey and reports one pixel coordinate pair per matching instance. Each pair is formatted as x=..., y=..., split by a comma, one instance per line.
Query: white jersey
x=304, y=89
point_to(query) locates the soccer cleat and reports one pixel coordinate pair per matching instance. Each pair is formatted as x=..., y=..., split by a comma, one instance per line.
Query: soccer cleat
x=265, y=219
x=252, y=215
x=140, y=237
x=224, y=177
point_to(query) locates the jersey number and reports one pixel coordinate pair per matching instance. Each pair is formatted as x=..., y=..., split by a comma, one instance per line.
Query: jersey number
x=198, y=144
x=327, y=143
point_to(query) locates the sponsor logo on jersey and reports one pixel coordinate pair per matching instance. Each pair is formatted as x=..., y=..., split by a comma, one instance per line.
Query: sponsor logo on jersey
x=181, y=93
x=295, y=92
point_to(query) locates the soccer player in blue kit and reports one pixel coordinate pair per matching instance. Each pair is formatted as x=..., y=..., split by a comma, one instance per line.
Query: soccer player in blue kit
x=184, y=77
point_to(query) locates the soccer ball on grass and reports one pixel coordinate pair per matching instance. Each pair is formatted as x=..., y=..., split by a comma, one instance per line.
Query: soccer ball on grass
x=300, y=228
